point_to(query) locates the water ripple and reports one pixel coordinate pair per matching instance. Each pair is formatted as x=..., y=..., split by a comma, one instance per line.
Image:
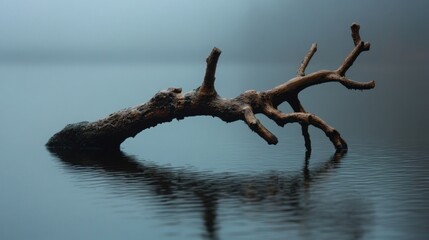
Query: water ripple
x=366, y=194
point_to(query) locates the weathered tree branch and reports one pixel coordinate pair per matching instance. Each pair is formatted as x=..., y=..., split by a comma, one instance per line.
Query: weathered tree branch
x=166, y=105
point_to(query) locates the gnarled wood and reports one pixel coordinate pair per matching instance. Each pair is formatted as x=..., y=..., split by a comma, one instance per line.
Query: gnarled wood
x=166, y=105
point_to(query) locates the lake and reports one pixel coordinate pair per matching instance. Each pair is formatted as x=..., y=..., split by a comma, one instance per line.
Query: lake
x=200, y=178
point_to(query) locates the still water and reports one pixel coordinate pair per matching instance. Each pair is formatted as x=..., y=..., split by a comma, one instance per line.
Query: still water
x=201, y=178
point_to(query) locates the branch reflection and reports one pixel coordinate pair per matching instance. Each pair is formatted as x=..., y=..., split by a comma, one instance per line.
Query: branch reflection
x=276, y=196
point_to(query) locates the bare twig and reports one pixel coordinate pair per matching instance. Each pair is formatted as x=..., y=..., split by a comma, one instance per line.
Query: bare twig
x=306, y=60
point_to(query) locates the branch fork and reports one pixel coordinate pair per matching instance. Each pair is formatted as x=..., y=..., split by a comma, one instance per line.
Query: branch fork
x=166, y=105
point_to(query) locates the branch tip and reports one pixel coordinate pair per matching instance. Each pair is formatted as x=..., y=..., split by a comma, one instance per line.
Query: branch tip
x=214, y=55
x=355, y=33
x=256, y=126
x=207, y=87
x=360, y=46
x=306, y=60
x=356, y=37
x=366, y=46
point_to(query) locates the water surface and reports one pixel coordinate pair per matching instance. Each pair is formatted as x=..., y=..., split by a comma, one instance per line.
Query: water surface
x=201, y=178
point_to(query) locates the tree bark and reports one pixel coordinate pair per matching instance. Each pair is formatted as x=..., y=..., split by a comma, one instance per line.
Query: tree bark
x=111, y=131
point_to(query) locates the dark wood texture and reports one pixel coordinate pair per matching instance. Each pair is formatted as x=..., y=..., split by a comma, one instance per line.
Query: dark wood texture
x=166, y=105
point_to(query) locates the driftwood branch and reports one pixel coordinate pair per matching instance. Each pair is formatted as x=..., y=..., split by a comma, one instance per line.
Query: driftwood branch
x=166, y=105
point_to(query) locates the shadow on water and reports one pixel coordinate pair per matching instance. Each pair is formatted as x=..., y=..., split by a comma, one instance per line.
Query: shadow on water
x=275, y=197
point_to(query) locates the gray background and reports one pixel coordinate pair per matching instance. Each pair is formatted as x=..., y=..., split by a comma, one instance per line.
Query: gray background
x=68, y=61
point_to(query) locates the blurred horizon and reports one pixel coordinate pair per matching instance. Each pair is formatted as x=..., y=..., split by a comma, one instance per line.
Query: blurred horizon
x=186, y=31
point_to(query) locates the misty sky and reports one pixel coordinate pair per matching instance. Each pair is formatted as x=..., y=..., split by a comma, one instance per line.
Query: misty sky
x=187, y=30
